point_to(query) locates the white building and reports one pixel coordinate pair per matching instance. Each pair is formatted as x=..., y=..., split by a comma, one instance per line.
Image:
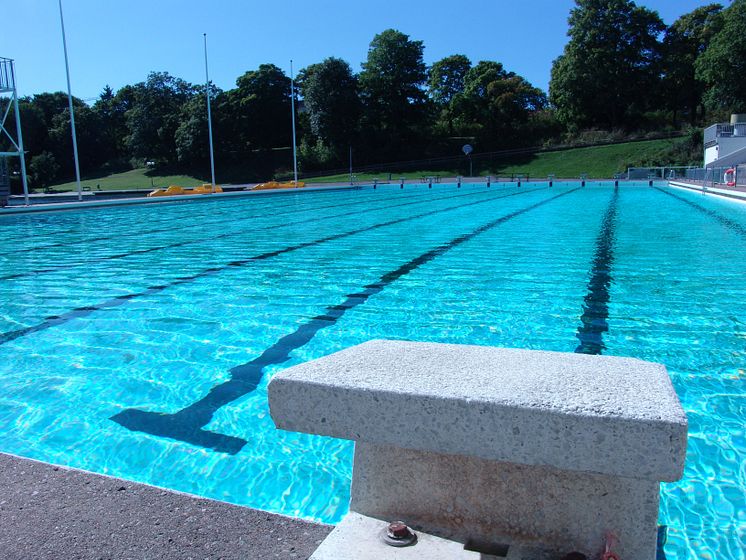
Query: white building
x=725, y=143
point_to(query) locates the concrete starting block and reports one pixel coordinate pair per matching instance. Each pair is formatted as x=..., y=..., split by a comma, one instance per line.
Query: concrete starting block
x=497, y=452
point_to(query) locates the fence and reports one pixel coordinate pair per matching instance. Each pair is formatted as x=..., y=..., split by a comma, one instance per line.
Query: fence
x=670, y=172
x=715, y=176
x=482, y=161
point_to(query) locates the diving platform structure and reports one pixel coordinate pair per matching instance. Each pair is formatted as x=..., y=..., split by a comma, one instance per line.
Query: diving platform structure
x=8, y=99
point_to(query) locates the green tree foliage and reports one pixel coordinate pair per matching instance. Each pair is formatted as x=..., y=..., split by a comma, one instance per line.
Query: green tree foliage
x=45, y=119
x=686, y=40
x=391, y=88
x=43, y=170
x=88, y=134
x=192, y=141
x=609, y=71
x=332, y=103
x=722, y=66
x=446, y=78
x=113, y=129
x=495, y=105
x=608, y=77
x=257, y=111
x=153, y=116
x=34, y=125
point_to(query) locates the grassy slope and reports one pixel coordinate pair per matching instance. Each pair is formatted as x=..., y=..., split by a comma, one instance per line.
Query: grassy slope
x=600, y=161
x=133, y=179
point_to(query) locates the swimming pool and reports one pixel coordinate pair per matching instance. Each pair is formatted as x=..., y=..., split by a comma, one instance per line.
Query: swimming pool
x=138, y=341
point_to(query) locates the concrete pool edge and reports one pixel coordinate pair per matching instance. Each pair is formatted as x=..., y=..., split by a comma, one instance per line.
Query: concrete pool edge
x=78, y=205
x=51, y=511
x=321, y=187
x=729, y=193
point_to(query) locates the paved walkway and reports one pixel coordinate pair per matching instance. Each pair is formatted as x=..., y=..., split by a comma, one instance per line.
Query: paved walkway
x=48, y=512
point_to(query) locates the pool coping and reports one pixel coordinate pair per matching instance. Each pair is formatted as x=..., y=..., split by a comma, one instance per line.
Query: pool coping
x=77, y=205
x=723, y=192
x=51, y=511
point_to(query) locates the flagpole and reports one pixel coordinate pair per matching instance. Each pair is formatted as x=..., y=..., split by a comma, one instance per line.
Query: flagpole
x=209, y=118
x=70, y=102
x=292, y=113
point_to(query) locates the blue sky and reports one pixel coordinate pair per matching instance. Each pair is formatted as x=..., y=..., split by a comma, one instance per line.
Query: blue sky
x=119, y=42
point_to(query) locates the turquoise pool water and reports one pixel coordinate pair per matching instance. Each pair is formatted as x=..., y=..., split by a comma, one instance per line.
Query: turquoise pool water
x=138, y=341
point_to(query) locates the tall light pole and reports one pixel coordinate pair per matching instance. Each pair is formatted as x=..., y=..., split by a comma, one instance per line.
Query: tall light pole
x=70, y=102
x=292, y=115
x=209, y=117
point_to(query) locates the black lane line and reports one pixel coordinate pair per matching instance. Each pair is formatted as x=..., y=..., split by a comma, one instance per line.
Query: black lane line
x=593, y=321
x=727, y=222
x=134, y=252
x=79, y=312
x=186, y=425
x=226, y=219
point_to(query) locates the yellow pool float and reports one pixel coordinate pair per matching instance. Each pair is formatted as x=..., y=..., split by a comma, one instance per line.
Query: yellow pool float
x=175, y=190
x=275, y=185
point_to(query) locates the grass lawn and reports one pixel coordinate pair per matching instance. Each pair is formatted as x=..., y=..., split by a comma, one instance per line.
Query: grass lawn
x=133, y=179
x=599, y=161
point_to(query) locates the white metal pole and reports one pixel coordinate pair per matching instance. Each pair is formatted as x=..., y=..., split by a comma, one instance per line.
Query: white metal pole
x=21, y=155
x=350, y=164
x=70, y=102
x=292, y=115
x=209, y=118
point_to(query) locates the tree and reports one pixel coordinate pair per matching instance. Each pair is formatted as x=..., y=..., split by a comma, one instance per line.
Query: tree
x=258, y=111
x=608, y=73
x=446, y=78
x=152, y=116
x=331, y=101
x=192, y=136
x=391, y=87
x=43, y=169
x=685, y=40
x=722, y=66
x=88, y=133
x=496, y=105
x=113, y=125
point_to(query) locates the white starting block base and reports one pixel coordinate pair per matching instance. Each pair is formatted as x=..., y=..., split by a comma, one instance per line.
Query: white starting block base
x=468, y=499
x=357, y=538
x=495, y=445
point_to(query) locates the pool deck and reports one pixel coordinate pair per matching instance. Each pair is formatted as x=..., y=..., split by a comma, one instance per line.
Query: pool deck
x=51, y=512
x=734, y=193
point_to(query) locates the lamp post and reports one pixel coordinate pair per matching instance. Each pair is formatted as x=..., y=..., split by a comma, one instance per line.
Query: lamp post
x=292, y=116
x=70, y=103
x=209, y=118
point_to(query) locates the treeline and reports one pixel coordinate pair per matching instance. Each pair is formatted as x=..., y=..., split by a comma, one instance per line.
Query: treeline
x=622, y=71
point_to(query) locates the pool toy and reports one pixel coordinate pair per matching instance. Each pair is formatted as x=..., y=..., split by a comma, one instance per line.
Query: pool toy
x=275, y=185
x=175, y=190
